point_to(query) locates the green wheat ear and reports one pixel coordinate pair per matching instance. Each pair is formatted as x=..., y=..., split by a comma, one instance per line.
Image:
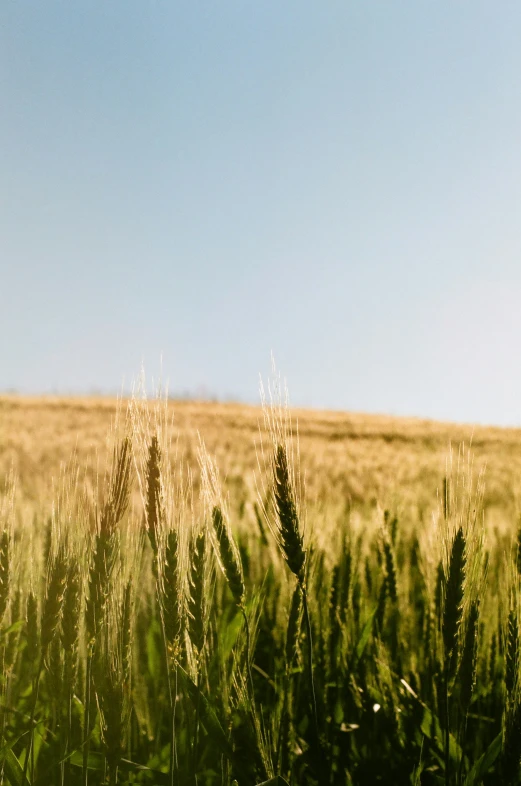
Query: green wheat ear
x=5, y=570
x=71, y=623
x=518, y=550
x=512, y=651
x=229, y=556
x=54, y=598
x=198, y=605
x=154, y=513
x=467, y=671
x=171, y=593
x=390, y=571
x=289, y=535
x=453, y=607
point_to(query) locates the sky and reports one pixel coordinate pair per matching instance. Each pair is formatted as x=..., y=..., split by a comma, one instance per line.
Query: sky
x=194, y=186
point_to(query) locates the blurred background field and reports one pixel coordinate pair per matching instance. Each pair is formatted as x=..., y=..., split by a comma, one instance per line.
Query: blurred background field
x=347, y=459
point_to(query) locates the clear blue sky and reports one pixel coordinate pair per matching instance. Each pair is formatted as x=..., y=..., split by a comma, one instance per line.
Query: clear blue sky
x=338, y=182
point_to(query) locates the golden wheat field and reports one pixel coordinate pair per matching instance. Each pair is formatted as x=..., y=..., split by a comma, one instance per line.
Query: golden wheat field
x=346, y=458
x=227, y=595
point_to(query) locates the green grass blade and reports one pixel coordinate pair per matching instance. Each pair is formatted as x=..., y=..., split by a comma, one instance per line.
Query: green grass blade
x=207, y=714
x=485, y=762
x=12, y=768
x=95, y=761
x=364, y=638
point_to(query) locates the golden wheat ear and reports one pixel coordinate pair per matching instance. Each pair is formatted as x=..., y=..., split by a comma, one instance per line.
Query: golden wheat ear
x=154, y=497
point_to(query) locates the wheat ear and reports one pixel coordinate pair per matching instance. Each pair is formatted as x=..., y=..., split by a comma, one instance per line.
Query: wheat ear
x=453, y=608
x=5, y=570
x=229, y=557
x=170, y=594
x=104, y=552
x=289, y=536
x=154, y=499
x=198, y=606
x=53, y=602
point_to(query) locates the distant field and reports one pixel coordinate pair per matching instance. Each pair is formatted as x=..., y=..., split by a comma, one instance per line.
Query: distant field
x=345, y=457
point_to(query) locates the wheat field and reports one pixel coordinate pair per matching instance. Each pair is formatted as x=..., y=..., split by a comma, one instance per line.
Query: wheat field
x=363, y=459
x=197, y=593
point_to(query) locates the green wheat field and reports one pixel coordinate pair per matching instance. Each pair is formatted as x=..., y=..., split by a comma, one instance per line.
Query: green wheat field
x=217, y=595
